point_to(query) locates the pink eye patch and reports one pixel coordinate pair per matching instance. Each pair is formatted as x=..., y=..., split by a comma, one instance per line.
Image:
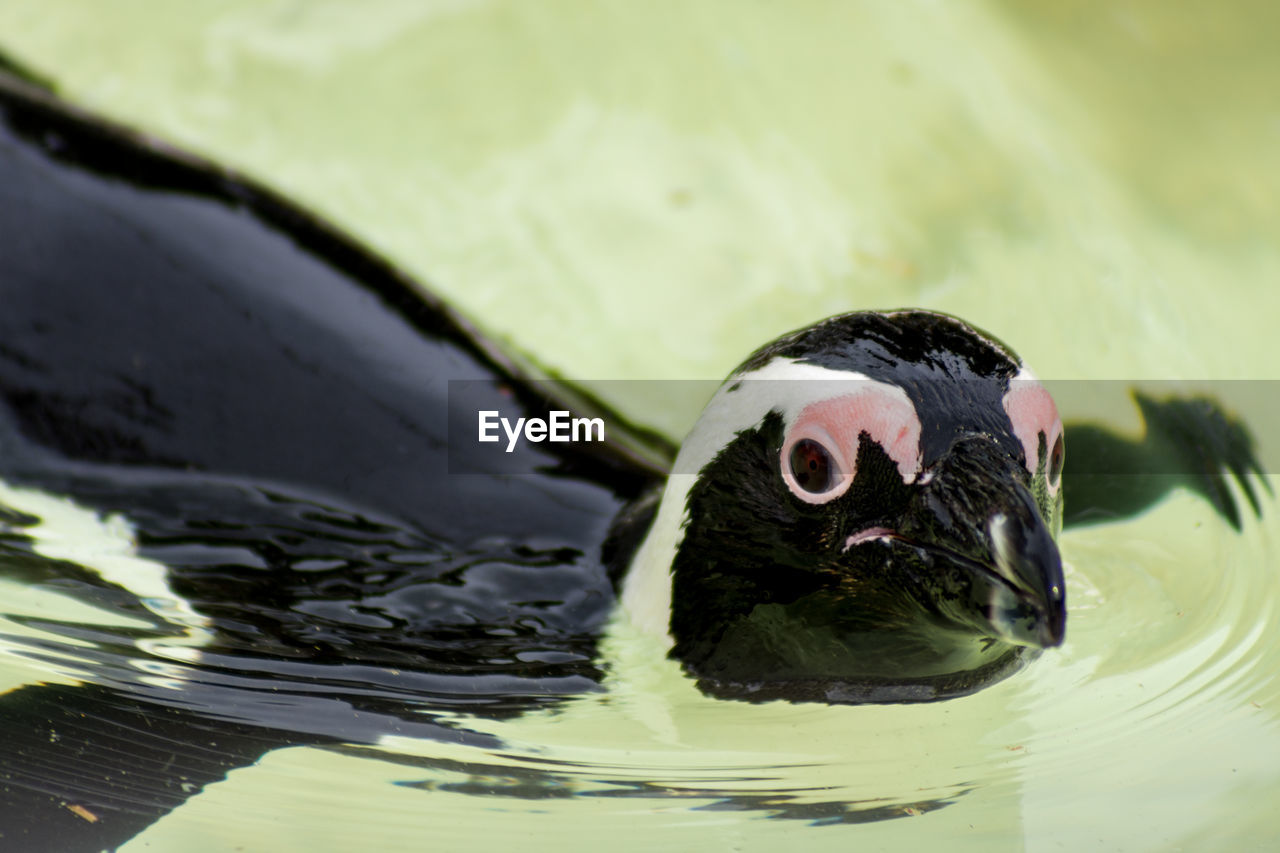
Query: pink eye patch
x=1032, y=412
x=820, y=449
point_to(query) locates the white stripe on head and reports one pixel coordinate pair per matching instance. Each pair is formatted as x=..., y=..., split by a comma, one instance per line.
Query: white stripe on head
x=783, y=385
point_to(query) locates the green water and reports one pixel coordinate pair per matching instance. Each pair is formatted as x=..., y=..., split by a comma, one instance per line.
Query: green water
x=650, y=190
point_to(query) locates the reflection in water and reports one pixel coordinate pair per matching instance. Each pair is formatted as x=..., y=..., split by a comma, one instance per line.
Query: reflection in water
x=1160, y=651
x=328, y=649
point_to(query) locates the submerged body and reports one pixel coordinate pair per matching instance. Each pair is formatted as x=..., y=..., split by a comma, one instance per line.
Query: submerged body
x=265, y=405
x=269, y=409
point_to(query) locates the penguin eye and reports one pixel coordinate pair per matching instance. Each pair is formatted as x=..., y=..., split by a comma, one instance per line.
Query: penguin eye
x=818, y=459
x=812, y=466
x=1056, y=460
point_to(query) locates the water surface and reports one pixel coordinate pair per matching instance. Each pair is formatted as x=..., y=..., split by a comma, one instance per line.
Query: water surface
x=623, y=191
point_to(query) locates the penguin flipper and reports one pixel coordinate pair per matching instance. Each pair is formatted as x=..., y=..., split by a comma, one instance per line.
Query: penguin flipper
x=1189, y=442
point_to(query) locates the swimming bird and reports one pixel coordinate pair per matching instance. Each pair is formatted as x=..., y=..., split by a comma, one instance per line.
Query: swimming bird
x=865, y=512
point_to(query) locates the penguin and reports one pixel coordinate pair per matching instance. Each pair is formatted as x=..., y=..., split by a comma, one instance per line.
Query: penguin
x=262, y=418
x=865, y=511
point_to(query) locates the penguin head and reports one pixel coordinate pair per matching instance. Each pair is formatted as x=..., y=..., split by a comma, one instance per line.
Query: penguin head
x=865, y=512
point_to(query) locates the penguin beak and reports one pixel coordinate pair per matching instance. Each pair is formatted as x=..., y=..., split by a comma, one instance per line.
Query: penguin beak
x=990, y=561
x=1026, y=602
